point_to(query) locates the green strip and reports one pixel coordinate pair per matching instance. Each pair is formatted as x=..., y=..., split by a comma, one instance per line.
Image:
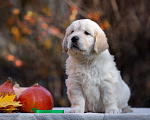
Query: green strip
x=46, y=111
x=49, y=111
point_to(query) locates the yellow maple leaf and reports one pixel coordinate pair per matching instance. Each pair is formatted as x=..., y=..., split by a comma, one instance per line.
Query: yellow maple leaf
x=8, y=109
x=9, y=100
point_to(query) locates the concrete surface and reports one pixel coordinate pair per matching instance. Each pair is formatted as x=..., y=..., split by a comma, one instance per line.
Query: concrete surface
x=138, y=114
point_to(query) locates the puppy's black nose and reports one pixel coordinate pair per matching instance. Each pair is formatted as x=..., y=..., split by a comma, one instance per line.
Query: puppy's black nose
x=75, y=39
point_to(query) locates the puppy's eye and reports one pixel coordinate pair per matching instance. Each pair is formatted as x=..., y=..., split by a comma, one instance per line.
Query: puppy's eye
x=72, y=31
x=87, y=33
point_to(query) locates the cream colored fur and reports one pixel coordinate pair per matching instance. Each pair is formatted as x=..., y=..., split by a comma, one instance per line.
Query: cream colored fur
x=94, y=84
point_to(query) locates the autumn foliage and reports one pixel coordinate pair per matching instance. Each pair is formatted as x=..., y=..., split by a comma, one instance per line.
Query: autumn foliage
x=8, y=103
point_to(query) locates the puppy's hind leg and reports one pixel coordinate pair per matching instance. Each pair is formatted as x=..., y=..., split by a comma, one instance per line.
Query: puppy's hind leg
x=110, y=97
x=127, y=109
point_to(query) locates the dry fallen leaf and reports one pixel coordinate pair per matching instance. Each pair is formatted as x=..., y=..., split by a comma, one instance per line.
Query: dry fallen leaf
x=8, y=104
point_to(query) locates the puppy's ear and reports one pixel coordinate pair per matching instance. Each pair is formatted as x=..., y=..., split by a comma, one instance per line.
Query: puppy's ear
x=64, y=44
x=100, y=42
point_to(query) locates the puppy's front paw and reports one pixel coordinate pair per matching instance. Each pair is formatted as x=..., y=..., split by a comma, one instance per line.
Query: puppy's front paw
x=112, y=111
x=76, y=111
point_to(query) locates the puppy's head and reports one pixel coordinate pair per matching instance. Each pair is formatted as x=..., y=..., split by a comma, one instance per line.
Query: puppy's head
x=84, y=37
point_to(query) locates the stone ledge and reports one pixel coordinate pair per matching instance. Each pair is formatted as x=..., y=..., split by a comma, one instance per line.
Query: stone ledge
x=138, y=114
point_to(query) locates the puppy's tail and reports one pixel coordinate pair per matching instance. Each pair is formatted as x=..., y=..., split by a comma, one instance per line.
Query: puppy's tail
x=127, y=109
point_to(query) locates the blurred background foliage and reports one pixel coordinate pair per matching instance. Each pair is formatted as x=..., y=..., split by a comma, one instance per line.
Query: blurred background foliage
x=31, y=34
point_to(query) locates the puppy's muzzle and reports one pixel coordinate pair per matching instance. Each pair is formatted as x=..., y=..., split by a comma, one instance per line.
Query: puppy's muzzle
x=74, y=44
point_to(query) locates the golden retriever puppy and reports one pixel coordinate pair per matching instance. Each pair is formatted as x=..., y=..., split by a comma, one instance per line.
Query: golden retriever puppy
x=94, y=84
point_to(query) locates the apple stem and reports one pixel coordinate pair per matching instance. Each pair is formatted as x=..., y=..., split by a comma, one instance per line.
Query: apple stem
x=9, y=80
x=36, y=85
